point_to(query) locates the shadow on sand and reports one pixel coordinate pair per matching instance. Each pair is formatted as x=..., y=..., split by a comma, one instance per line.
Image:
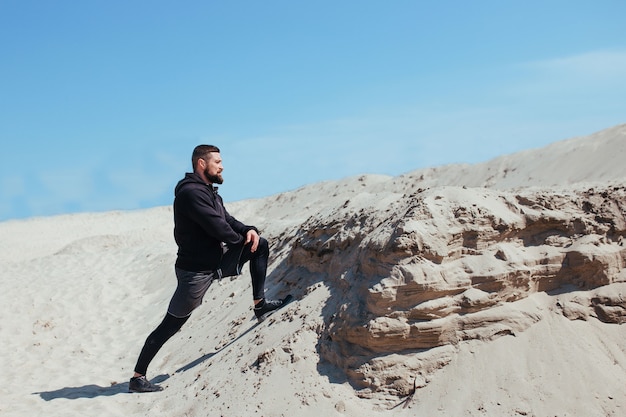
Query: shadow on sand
x=208, y=356
x=93, y=391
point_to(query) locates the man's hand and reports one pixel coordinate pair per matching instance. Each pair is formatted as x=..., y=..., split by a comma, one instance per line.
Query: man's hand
x=253, y=236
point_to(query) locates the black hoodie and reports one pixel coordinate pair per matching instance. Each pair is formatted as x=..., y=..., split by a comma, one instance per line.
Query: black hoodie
x=201, y=224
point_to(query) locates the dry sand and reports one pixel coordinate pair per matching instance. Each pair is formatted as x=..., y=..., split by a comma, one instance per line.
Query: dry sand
x=493, y=289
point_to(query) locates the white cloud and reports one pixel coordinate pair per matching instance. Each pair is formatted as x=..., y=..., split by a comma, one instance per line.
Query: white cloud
x=12, y=186
x=604, y=64
x=66, y=184
x=599, y=74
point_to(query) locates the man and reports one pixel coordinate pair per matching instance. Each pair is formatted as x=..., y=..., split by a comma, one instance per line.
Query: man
x=211, y=244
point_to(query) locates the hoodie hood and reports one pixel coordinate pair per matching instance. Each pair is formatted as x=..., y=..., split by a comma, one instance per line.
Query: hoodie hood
x=190, y=178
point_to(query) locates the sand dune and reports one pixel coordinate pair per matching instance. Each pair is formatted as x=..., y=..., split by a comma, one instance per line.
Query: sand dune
x=463, y=290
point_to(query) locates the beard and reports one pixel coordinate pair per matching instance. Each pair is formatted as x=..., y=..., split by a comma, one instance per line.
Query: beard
x=215, y=179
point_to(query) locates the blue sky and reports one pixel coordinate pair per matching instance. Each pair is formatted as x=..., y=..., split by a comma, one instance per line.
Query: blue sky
x=102, y=102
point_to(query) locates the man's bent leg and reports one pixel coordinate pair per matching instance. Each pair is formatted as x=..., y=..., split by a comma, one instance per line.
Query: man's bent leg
x=258, y=266
x=258, y=270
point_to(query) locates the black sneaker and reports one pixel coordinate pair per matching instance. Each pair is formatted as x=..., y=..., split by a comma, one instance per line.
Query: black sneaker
x=141, y=384
x=267, y=307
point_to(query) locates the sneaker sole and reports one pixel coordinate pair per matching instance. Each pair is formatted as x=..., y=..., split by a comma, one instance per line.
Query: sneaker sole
x=139, y=391
x=286, y=301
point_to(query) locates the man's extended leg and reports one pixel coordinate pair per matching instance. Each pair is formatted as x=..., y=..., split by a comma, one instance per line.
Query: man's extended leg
x=188, y=296
x=168, y=328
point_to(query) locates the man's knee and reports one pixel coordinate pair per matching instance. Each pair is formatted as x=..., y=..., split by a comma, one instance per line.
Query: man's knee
x=264, y=245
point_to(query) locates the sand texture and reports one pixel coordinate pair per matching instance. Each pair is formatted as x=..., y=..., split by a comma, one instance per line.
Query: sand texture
x=496, y=289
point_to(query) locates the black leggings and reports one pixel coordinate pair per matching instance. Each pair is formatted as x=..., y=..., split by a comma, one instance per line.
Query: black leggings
x=237, y=256
x=168, y=328
x=258, y=266
x=172, y=324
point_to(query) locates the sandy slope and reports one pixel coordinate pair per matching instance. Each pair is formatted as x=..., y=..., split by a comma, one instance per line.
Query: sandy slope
x=80, y=293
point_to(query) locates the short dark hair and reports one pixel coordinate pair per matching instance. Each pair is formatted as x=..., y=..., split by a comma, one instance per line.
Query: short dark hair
x=202, y=151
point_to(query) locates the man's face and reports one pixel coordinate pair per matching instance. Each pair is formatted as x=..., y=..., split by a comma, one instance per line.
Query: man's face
x=213, y=168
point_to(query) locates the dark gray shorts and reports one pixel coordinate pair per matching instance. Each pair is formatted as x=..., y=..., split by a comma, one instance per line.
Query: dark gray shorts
x=190, y=291
x=193, y=285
